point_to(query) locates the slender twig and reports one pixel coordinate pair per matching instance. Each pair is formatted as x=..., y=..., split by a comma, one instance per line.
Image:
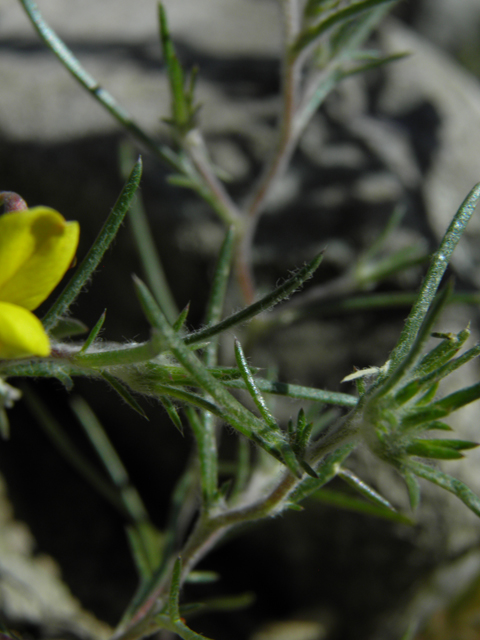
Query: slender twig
x=72, y=64
x=195, y=146
x=282, y=152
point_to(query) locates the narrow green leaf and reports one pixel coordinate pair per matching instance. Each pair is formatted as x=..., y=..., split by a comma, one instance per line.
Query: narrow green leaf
x=457, y=445
x=93, y=333
x=448, y=483
x=207, y=454
x=180, y=321
x=458, y=399
x=147, y=249
x=225, y=603
x=110, y=460
x=124, y=393
x=296, y=391
x=172, y=412
x=374, y=64
x=419, y=417
x=97, y=250
x=425, y=449
x=436, y=425
x=309, y=35
x=70, y=452
x=434, y=276
x=364, y=489
x=268, y=301
x=180, y=180
x=413, y=488
x=442, y=353
x=343, y=501
x=423, y=333
x=308, y=469
x=449, y=367
x=139, y=554
x=67, y=328
x=252, y=388
x=429, y=396
x=202, y=577
x=183, y=110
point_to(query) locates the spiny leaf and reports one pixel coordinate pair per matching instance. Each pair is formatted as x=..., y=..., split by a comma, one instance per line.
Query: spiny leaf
x=252, y=388
x=308, y=469
x=364, y=489
x=97, y=250
x=180, y=321
x=344, y=501
x=93, y=333
x=268, y=301
x=124, y=393
x=422, y=335
x=172, y=412
x=434, y=276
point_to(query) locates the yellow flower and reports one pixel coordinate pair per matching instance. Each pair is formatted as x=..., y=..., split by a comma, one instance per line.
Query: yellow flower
x=36, y=248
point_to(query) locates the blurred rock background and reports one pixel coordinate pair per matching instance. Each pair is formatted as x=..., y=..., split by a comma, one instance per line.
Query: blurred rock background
x=410, y=133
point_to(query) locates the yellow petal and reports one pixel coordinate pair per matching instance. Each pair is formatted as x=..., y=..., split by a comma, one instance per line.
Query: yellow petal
x=36, y=248
x=21, y=333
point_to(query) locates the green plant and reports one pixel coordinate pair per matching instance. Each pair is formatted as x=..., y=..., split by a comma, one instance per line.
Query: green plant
x=394, y=411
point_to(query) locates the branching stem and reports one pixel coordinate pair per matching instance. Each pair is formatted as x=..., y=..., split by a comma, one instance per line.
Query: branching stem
x=282, y=153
